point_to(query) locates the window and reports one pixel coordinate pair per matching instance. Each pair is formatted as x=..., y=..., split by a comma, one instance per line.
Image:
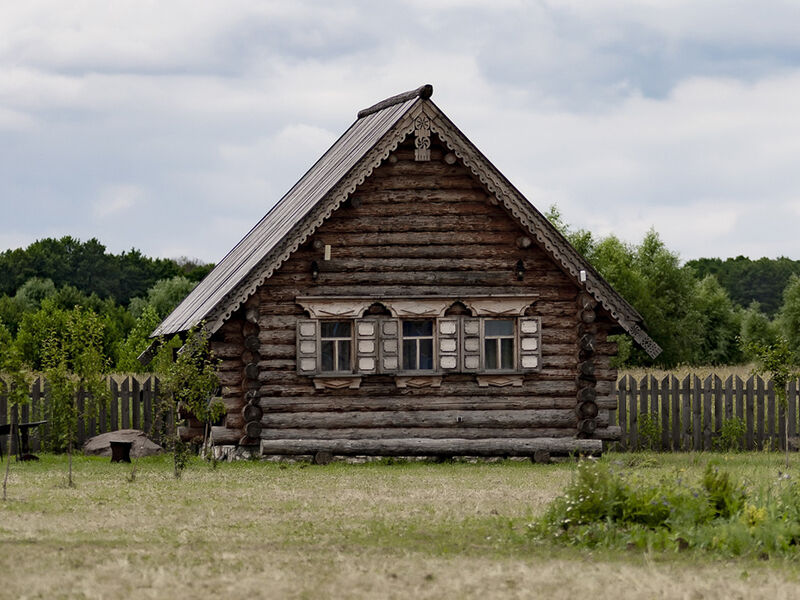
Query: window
x=335, y=341
x=498, y=344
x=417, y=345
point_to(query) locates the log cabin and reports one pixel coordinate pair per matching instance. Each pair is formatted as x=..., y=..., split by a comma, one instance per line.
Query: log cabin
x=404, y=298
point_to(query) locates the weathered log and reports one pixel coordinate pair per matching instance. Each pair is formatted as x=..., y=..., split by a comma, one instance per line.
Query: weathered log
x=423, y=418
x=187, y=434
x=587, y=426
x=586, y=410
x=587, y=394
x=251, y=314
x=251, y=371
x=249, y=328
x=541, y=456
x=380, y=433
x=224, y=435
x=251, y=342
x=322, y=457
x=253, y=429
x=436, y=447
x=409, y=403
x=586, y=368
x=588, y=316
x=252, y=412
x=612, y=432
x=226, y=350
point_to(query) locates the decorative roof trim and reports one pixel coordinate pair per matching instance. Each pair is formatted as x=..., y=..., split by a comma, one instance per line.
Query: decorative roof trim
x=494, y=181
x=424, y=92
x=311, y=222
x=552, y=241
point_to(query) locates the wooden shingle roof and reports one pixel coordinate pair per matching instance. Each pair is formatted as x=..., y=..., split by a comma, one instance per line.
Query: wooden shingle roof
x=330, y=181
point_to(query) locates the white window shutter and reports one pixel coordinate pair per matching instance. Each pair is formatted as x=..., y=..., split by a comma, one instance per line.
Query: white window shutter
x=471, y=344
x=389, y=345
x=307, y=347
x=366, y=346
x=447, y=332
x=530, y=347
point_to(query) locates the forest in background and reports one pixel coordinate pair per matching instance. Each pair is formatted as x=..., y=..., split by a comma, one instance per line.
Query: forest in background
x=58, y=294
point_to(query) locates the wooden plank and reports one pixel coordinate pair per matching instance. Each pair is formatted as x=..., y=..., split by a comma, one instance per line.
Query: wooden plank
x=760, y=410
x=750, y=418
x=622, y=400
x=697, y=423
x=791, y=401
x=686, y=413
x=771, y=441
x=781, y=426
x=707, y=401
x=728, y=394
x=435, y=447
x=675, y=396
x=113, y=412
x=664, y=392
x=125, y=403
x=136, y=404
x=633, y=411
x=429, y=418
x=147, y=406
x=718, y=408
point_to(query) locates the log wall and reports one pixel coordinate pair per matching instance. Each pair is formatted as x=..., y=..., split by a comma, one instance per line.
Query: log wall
x=415, y=229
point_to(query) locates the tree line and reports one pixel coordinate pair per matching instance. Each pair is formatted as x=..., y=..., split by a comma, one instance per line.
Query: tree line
x=61, y=296
x=58, y=295
x=687, y=309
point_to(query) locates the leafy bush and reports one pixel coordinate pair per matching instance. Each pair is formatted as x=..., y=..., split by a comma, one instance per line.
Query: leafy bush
x=650, y=432
x=731, y=434
x=601, y=508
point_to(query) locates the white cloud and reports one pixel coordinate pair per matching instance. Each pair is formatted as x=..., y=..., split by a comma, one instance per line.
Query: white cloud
x=627, y=114
x=114, y=200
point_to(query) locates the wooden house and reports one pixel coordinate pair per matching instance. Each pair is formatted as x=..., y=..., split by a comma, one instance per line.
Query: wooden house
x=404, y=298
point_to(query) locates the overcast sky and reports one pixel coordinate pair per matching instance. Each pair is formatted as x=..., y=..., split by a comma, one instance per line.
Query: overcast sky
x=172, y=127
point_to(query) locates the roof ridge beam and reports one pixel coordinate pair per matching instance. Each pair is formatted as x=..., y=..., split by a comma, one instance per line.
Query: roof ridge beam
x=424, y=92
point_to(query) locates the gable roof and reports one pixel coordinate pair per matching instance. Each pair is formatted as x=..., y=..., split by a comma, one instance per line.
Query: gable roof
x=377, y=131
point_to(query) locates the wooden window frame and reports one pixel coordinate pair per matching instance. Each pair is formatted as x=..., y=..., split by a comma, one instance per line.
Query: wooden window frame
x=434, y=342
x=514, y=337
x=336, y=340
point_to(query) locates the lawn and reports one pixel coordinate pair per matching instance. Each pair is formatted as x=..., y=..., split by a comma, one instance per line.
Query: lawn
x=385, y=530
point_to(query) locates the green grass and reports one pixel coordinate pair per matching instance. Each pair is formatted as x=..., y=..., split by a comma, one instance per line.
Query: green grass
x=402, y=530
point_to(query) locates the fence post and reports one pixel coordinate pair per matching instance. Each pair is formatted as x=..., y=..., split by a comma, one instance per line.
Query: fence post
x=760, y=413
x=750, y=414
x=634, y=416
x=665, y=413
x=686, y=413
x=3, y=411
x=791, y=401
x=136, y=403
x=113, y=412
x=675, y=395
x=622, y=399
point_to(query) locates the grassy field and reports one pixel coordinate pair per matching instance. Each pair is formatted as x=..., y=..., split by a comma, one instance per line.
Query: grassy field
x=376, y=530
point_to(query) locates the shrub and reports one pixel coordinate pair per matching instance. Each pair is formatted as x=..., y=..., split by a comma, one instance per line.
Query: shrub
x=601, y=508
x=650, y=432
x=731, y=434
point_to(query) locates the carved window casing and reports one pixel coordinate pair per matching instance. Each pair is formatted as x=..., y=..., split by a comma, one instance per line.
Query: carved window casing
x=416, y=339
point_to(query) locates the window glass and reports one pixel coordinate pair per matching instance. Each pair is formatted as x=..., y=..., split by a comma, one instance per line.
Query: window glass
x=417, y=345
x=497, y=328
x=498, y=344
x=490, y=354
x=335, y=345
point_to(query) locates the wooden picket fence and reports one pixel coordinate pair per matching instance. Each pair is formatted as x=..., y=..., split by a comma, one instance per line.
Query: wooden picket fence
x=669, y=414
x=133, y=405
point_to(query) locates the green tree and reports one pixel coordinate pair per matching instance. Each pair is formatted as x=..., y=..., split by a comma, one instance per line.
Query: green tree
x=191, y=382
x=719, y=322
x=137, y=341
x=789, y=315
x=164, y=296
x=779, y=362
x=31, y=294
x=74, y=362
x=756, y=327
x=16, y=383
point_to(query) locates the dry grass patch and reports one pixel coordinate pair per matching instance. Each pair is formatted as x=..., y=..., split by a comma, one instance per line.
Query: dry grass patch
x=418, y=530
